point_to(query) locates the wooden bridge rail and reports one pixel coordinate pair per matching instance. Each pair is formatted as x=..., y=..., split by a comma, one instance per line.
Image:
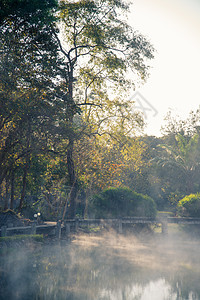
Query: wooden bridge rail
x=176, y=220
x=67, y=226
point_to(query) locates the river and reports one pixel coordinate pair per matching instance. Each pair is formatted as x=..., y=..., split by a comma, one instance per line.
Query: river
x=103, y=267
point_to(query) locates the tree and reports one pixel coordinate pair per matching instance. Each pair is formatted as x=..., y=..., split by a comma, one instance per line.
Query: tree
x=29, y=89
x=176, y=167
x=183, y=153
x=99, y=48
x=174, y=158
x=102, y=162
x=55, y=79
x=174, y=125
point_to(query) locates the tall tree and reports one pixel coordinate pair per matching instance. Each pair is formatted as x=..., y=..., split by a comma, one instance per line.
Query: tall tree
x=54, y=80
x=29, y=90
x=99, y=47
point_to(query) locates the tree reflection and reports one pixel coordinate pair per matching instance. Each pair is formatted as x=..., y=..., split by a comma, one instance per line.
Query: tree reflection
x=101, y=268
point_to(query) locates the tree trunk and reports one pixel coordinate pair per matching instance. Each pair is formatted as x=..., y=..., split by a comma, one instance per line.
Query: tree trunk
x=71, y=110
x=12, y=193
x=6, y=195
x=73, y=182
x=26, y=167
x=70, y=113
x=23, y=186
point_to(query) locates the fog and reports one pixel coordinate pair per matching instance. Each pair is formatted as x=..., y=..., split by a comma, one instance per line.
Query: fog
x=106, y=266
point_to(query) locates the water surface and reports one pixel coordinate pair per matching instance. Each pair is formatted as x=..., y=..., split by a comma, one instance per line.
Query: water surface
x=108, y=267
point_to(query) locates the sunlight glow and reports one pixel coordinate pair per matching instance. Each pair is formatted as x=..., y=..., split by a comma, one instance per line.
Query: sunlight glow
x=173, y=28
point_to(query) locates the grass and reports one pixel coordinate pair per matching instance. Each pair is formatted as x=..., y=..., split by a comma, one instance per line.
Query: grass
x=19, y=237
x=91, y=229
x=172, y=228
x=165, y=213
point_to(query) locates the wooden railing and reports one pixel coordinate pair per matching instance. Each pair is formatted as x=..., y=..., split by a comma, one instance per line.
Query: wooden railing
x=64, y=228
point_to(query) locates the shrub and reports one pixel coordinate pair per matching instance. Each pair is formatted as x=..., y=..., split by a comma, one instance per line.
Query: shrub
x=121, y=202
x=189, y=206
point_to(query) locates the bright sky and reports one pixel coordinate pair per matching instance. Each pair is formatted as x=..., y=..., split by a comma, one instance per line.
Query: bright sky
x=173, y=27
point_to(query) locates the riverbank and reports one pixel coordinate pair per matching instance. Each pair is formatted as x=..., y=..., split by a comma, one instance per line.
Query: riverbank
x=140, y=232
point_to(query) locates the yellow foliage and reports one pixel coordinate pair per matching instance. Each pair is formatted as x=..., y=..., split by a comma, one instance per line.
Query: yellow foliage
x=101, y=164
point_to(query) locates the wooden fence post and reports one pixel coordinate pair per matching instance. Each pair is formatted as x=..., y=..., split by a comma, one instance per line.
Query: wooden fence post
x=3, y=231
x=120, y=228
x=76, y=224
x=33, y=227
x=67, y=228
x=164, y=223
x=58, y=229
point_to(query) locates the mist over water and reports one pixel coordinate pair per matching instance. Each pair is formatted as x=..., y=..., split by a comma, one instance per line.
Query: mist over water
x=104, y=267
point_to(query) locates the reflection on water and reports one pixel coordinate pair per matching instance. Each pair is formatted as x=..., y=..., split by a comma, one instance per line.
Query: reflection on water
x=156, y=290
x=110, y=267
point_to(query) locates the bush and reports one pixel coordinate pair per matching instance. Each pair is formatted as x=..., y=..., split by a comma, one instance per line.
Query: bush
x=189, y=206
x=121, y=202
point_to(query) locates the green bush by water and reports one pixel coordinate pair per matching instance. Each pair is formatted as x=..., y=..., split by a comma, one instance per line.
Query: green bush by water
x=189, y=206
x=122, y=202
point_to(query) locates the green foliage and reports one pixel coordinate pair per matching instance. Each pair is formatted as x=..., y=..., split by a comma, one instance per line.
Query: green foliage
x=22, y=8
x=189, y=206
x=122, y=202
x=30, y=110
x=55, y=72
x=175, y=168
